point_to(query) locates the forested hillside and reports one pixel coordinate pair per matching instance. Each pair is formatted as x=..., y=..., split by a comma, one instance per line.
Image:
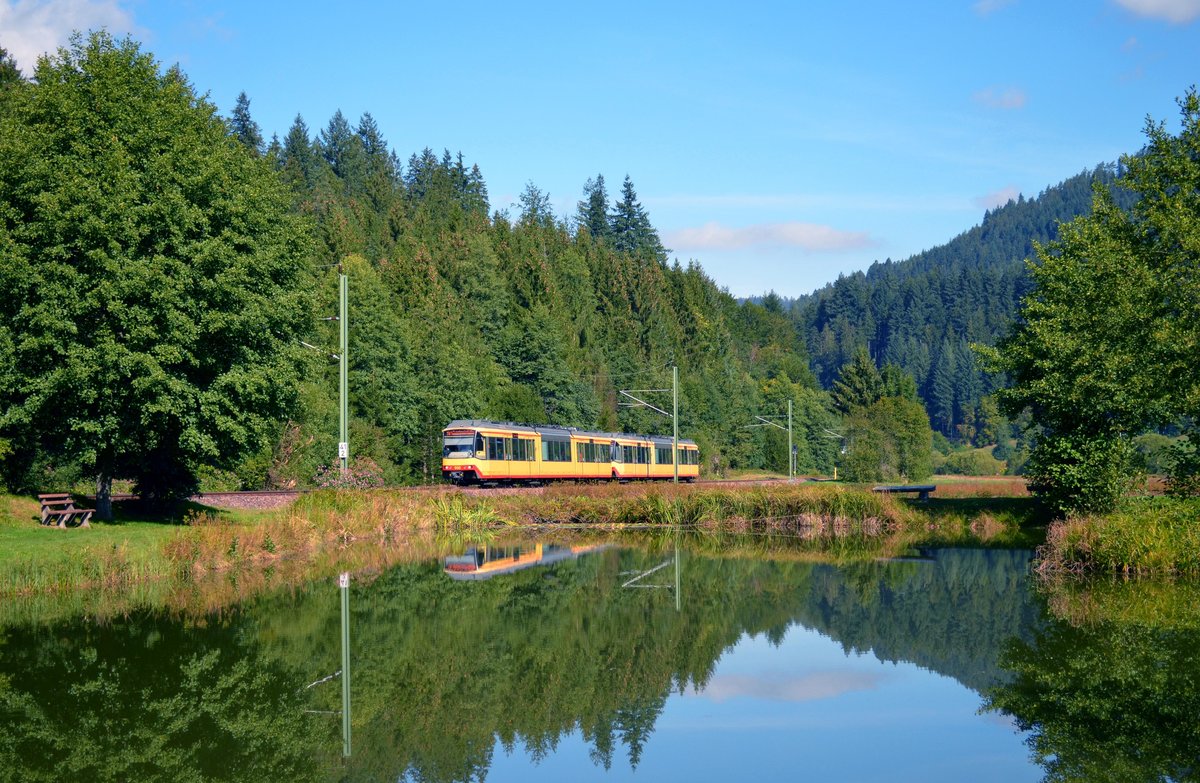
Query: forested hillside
x=457, y=311
x=924, y=312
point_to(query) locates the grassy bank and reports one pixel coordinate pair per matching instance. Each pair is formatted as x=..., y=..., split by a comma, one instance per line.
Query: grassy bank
x=1150, y=536
x=210, y=557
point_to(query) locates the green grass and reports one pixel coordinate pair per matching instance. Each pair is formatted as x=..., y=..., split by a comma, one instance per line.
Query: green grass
x=36, y=558
x=1147, y=535
x=22, y=537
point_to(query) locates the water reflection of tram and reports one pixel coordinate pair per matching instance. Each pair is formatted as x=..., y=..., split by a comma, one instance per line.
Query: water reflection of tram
x=484, y=562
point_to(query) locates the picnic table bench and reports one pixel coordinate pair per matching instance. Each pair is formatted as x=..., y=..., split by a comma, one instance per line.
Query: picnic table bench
x=58, y=508
x=922, y=490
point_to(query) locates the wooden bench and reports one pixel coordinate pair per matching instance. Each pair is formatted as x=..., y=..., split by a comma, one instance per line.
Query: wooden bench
x=58, y=508
x=922, y=490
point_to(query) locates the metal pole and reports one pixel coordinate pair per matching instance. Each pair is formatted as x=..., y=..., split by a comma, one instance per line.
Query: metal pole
x=678, y=600
x=344, y=412
x=791, y=454
x=675, y=420
x=344, y=586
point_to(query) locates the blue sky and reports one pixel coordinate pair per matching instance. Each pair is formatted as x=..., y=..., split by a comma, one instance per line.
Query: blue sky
x=777, y=144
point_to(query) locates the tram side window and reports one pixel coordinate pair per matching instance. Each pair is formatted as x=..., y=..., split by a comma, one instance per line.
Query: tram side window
x=593, y=452
x=556, y=451
x=662, y=455
x=495, y=448
x=523, y=449
x=643, y=455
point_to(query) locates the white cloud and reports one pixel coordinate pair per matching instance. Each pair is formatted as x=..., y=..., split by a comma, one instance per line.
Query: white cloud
x=822, y=685
x=1002, y=98
x=985, y=7
x=1173, y=11
x=998, y=198
x=31, y=28
x=806, y=236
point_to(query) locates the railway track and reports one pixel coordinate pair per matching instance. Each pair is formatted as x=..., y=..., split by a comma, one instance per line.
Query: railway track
x=277, y=498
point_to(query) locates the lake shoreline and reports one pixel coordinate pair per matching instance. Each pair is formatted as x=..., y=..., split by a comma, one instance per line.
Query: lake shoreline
x=318, y=527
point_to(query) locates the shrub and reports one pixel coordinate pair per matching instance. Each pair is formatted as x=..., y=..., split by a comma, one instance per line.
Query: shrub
x=1081, y=472
x=1183, y=466
x=362, y=473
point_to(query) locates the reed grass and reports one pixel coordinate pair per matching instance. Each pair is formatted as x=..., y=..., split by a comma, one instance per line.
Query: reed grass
x=1159, y=536
x=453, y=513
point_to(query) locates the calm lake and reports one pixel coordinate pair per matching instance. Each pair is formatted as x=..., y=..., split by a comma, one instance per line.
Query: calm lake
x=606, y=661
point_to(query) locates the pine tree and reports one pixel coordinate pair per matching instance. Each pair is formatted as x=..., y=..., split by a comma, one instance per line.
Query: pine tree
x=475, y=197
x=630, y=228
x=343, y=151
x=942, y=389
x=420, y=174
x=535, y=207
x=244, y=128
x=859, y=384
x=299, y=162
x=592, y=212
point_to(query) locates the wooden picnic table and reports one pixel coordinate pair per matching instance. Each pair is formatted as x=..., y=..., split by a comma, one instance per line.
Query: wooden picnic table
x=58, y=508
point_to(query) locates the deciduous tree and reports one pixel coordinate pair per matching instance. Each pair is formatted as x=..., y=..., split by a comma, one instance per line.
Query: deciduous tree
x=1109, y=341
x=150, y=273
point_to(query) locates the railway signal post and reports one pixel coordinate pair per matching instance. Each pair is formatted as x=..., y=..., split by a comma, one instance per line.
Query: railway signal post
x=343, y=396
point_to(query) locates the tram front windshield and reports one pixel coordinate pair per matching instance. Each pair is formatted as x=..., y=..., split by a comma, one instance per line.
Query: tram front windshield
x=458, y=446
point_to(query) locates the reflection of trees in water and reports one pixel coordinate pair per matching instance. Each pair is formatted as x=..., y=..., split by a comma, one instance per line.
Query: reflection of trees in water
x=1110, y=699
x=147, y=700
x=950, y=614
x=443, y=669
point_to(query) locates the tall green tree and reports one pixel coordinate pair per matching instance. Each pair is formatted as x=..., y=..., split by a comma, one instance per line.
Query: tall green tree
x=10, y=74
x=592, y=212
x=858, y=385
x=343, y=150
x=244, y=128
x=888, y=440
x=535, y=207
x=630, y=227
x=151, y=274
x=1109, y=341
x=300, y=163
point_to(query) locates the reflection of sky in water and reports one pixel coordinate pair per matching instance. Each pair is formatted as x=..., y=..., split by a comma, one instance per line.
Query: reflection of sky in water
x=806, y=711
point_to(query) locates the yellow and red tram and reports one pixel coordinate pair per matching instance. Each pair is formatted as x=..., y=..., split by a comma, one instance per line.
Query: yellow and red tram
x=488, y=452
